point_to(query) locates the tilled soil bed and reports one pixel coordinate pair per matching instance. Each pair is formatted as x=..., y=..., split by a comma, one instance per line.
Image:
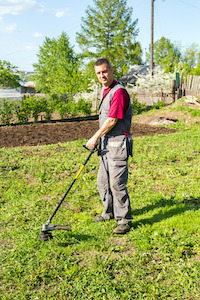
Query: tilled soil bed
x=52, y=133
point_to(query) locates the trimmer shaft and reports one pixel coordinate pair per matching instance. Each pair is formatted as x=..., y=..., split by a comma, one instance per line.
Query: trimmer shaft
x=45, y=234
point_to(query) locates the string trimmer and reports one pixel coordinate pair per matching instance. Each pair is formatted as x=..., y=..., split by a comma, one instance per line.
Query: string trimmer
x=47, y=227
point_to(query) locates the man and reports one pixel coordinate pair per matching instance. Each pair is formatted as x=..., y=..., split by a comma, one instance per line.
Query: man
x=115, y=141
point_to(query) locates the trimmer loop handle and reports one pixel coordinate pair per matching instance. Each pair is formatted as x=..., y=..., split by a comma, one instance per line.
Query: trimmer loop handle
x=91, y=150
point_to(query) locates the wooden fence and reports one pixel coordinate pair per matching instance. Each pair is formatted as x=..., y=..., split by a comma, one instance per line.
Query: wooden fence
x=190, y=85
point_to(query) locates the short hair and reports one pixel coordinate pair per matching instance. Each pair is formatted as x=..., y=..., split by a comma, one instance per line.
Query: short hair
x=102, y=61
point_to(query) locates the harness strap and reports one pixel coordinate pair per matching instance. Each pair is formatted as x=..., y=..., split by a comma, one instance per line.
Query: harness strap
x=107, y=94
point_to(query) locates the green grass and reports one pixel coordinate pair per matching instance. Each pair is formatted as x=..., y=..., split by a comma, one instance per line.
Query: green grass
x=158, y=259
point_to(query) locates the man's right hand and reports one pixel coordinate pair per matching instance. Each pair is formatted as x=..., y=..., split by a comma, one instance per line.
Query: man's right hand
x=92, y=142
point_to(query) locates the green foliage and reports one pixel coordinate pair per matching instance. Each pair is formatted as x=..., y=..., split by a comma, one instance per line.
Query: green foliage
x=170, y=57
x=71, y=108
x=181, y=106
x=196, y=71
x=191, y=55
x=158, y=105
x=157, y=259
x=166, y=54
x=138, y=107
x=33, y=107
x=190, y=63
x=8, y=78
x=65, y=108
x=195, y=113
x=108, y=31
x=36, y=107
x=46, y=107
x=6, y=111
x=57, y=70
x=23, y=111
x=83, y=106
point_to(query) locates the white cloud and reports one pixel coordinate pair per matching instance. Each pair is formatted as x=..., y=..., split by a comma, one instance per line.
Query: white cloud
x=60, y=13
x=31, y=46
x=16, y=7
x=11, y=28
x=38, y=34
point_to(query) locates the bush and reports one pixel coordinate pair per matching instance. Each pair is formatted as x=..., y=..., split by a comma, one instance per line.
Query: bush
x=23, y=111
x=65, y=109
x=33, y=107
x=6, y=111
x=47, y=108
x=83, y=106
x=138, y=107
x=71, y=108
x=158, y=105
x=40, y=105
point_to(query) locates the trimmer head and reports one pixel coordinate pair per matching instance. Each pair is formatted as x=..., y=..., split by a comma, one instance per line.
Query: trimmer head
x=46, y=235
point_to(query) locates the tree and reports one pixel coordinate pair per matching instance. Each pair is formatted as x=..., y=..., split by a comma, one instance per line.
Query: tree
x=197, y=67
x=57, y=70
x=8, y=76
x=108, y=31
x=166, y=54
x=190, y=63
x=191, y=55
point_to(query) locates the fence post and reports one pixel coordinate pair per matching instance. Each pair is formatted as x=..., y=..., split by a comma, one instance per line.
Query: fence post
x=173, y=90
x=161, y=95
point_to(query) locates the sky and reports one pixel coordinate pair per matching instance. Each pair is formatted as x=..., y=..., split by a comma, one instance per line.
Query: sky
x=24, y=24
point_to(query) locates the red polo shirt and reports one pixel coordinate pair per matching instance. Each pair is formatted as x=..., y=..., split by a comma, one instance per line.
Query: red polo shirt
x=119, y=103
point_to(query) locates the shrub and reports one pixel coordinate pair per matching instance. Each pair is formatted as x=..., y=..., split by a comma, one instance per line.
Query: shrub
x=6, y=111
x=64, y=109
x=138, y=107
x=39, y=105
x=83, y=106
x=47, y=108
x=23, y=111
x=35, y=107
x=71, y=108
x=158, y=105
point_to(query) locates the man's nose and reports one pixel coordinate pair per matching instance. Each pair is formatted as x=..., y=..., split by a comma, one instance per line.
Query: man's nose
x=101, y=74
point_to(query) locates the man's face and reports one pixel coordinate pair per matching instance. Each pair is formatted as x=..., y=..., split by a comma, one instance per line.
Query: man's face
x=104, y=74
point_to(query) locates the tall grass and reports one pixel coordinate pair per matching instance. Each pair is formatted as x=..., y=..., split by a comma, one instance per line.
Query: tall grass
x=158, y=259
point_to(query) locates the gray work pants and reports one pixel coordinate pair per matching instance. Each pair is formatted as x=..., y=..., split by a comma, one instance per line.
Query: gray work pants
x=112, y=179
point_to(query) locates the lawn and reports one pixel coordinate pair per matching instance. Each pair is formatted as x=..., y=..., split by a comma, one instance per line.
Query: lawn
x=158, y=259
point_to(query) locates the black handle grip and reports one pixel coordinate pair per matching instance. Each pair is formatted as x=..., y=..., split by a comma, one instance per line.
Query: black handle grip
x=91, y=150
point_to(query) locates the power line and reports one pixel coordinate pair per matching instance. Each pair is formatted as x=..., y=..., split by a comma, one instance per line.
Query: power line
x=189, y=3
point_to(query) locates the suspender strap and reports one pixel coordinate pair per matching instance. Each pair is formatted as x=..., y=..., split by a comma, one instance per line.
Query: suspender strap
x=106, y=94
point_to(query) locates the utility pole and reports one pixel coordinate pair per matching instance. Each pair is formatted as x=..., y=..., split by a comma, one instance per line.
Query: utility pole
x=152, y=29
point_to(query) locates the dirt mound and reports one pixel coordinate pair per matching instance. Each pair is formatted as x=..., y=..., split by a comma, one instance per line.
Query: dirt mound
x=52, y=133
